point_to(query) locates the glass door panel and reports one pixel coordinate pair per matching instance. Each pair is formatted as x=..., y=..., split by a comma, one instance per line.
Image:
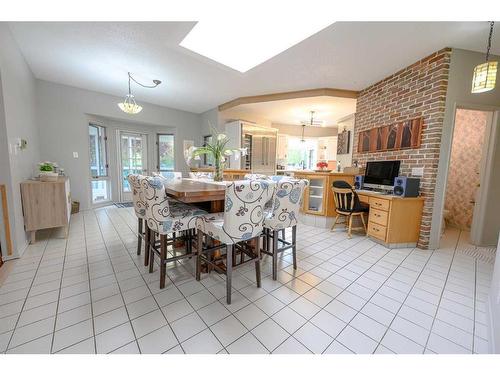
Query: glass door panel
x=133, y=160
x=316, y=194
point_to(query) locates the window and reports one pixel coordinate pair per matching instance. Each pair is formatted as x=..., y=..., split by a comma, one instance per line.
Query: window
x=100, y=186
x=166, y=160
x=207, y=159
x=302, y=154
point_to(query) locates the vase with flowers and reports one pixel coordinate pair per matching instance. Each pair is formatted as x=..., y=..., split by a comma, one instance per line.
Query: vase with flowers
x=218, y=150
x=322, y=166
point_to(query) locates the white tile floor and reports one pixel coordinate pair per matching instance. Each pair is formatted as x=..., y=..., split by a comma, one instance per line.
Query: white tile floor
x=91, y=294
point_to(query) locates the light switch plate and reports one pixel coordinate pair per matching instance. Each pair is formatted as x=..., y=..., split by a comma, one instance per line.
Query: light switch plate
x=75, y=154
x=417, y=172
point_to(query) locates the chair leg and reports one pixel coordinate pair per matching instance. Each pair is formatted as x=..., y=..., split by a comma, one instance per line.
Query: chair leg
x=139, y=236
x=294, y=246
x=257, y=264
x=229, y=272
x=199, y=248
x=349, y=227
x=147, y=246
x=283, y=234
x=335, y=222
x=275, y=254
x=151, y=254
x=364, y=224
x=163, y=257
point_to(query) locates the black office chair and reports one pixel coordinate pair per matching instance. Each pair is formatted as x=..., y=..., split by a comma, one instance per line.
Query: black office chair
x=347, y=205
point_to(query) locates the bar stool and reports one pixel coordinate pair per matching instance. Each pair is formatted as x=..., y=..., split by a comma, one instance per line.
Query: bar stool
x=241, y=221
x=164, y=218
x=287, y=201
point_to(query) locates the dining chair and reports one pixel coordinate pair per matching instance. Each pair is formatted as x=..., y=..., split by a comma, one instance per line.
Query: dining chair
x=241, y=221
x=284, y=213
x=348, y=205
x=255, y=176
x=164, y=218
x=139, y=207
x=201, y=175
x=168, y=176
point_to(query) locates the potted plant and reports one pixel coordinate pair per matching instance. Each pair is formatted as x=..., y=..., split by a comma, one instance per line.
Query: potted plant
x=47, y=171
x=217, y=149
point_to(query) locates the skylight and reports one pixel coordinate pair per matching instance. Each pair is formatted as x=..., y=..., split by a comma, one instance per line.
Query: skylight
x=243, y=45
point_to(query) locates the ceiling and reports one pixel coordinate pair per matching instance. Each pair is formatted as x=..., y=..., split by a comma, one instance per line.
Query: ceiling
x=292, y=111
x=346, y=55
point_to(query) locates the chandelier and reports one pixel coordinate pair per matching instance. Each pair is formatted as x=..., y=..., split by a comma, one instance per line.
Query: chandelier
x=129, y=105
x=485, y=74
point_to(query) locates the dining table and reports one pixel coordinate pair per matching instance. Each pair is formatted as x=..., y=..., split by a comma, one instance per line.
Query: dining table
x=189, y=190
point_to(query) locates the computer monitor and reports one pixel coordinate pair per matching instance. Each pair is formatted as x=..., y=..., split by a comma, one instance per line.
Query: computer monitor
x=381, y=174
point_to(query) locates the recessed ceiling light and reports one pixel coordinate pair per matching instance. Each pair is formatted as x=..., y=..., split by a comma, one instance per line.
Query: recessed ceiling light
x=242, y=46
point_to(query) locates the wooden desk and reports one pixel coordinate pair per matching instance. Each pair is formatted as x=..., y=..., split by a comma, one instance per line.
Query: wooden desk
x=394, y=221
x=195, y=191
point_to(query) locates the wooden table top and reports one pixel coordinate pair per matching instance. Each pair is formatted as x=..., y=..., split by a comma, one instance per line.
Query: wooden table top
x=190, y=190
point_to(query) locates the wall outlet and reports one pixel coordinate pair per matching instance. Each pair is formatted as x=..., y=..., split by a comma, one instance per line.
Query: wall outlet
x=75, y=155
x=417, y=172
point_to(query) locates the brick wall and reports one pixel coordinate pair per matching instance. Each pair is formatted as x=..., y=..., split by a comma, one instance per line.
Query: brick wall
x=418, y=90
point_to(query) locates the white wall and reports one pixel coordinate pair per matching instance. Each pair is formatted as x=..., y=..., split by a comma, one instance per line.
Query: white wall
x=348, y=124
x=494, y=306
x=20, y=121
x=458, y=94
x=63, y=116
x=296, y=130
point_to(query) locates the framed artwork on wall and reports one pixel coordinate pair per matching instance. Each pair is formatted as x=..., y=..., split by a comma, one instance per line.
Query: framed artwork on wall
x=400, y=136
x=343, y=142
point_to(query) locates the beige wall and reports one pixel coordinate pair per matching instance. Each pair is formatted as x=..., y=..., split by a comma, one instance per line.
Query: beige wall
x=465, y=163
x=459, y=95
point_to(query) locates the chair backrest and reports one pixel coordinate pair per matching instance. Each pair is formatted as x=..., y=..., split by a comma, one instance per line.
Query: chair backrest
x=134, y=181
x=168, y=176
x=280, y=177
x=157, y=206
x=343, y=194
x=287, y=201
x=255, y=176
x=201, y=175
x=244, y=208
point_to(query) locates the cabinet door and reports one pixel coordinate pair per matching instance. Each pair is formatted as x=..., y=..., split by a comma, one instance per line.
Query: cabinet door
x=315, y=202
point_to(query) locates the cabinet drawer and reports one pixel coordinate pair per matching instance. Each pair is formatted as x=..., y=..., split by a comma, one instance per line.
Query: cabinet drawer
x=377, y=231
x=378, y=216
x=379, y=204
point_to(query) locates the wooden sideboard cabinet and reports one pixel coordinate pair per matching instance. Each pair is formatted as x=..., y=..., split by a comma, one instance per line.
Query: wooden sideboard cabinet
x=46, y=205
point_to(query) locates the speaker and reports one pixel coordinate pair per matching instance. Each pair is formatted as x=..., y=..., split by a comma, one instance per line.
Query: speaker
x=406, y=186
x=358, y=182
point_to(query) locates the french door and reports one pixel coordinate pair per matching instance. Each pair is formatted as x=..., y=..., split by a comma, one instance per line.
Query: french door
x=133, y=159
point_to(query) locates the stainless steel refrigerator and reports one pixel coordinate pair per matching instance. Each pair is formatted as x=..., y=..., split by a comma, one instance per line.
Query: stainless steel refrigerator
x=260, y=142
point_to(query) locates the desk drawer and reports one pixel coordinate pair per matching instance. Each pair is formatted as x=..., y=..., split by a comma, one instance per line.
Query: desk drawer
x=377, y=231
x=378, y=216
x=379, y=204
x=363, y=198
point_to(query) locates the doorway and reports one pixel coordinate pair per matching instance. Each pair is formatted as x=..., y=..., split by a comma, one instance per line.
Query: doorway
x=132, y=159
x=464, y=206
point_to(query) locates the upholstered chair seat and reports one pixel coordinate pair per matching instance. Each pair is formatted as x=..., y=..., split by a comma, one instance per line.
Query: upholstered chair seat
x=165, y=218
x=242, y=220
x=283, y=214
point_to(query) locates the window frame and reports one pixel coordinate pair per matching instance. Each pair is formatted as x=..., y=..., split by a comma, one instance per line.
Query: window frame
x=104, y=177
x=158, y=164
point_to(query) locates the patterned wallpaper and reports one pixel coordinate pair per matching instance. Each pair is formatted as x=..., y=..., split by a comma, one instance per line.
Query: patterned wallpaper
x=463, y=173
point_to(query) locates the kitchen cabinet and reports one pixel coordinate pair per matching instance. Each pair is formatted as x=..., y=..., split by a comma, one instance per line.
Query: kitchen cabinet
x=327, y=148
x=282, y=153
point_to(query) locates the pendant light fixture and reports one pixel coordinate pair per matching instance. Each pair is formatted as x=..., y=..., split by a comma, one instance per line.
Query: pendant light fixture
x=311, y=122
x=485, y=74
x=129, y=105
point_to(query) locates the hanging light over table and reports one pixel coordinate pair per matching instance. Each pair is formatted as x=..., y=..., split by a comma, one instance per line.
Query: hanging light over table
x=129, y=105
x=485, y=74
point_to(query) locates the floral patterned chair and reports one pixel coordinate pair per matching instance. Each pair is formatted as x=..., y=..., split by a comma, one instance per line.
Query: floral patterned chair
x=255, y=176
x=134, y=181
x=168, y=176
x=201, y=175
x=242, y=220
x=286, y=204
x=164, y=218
